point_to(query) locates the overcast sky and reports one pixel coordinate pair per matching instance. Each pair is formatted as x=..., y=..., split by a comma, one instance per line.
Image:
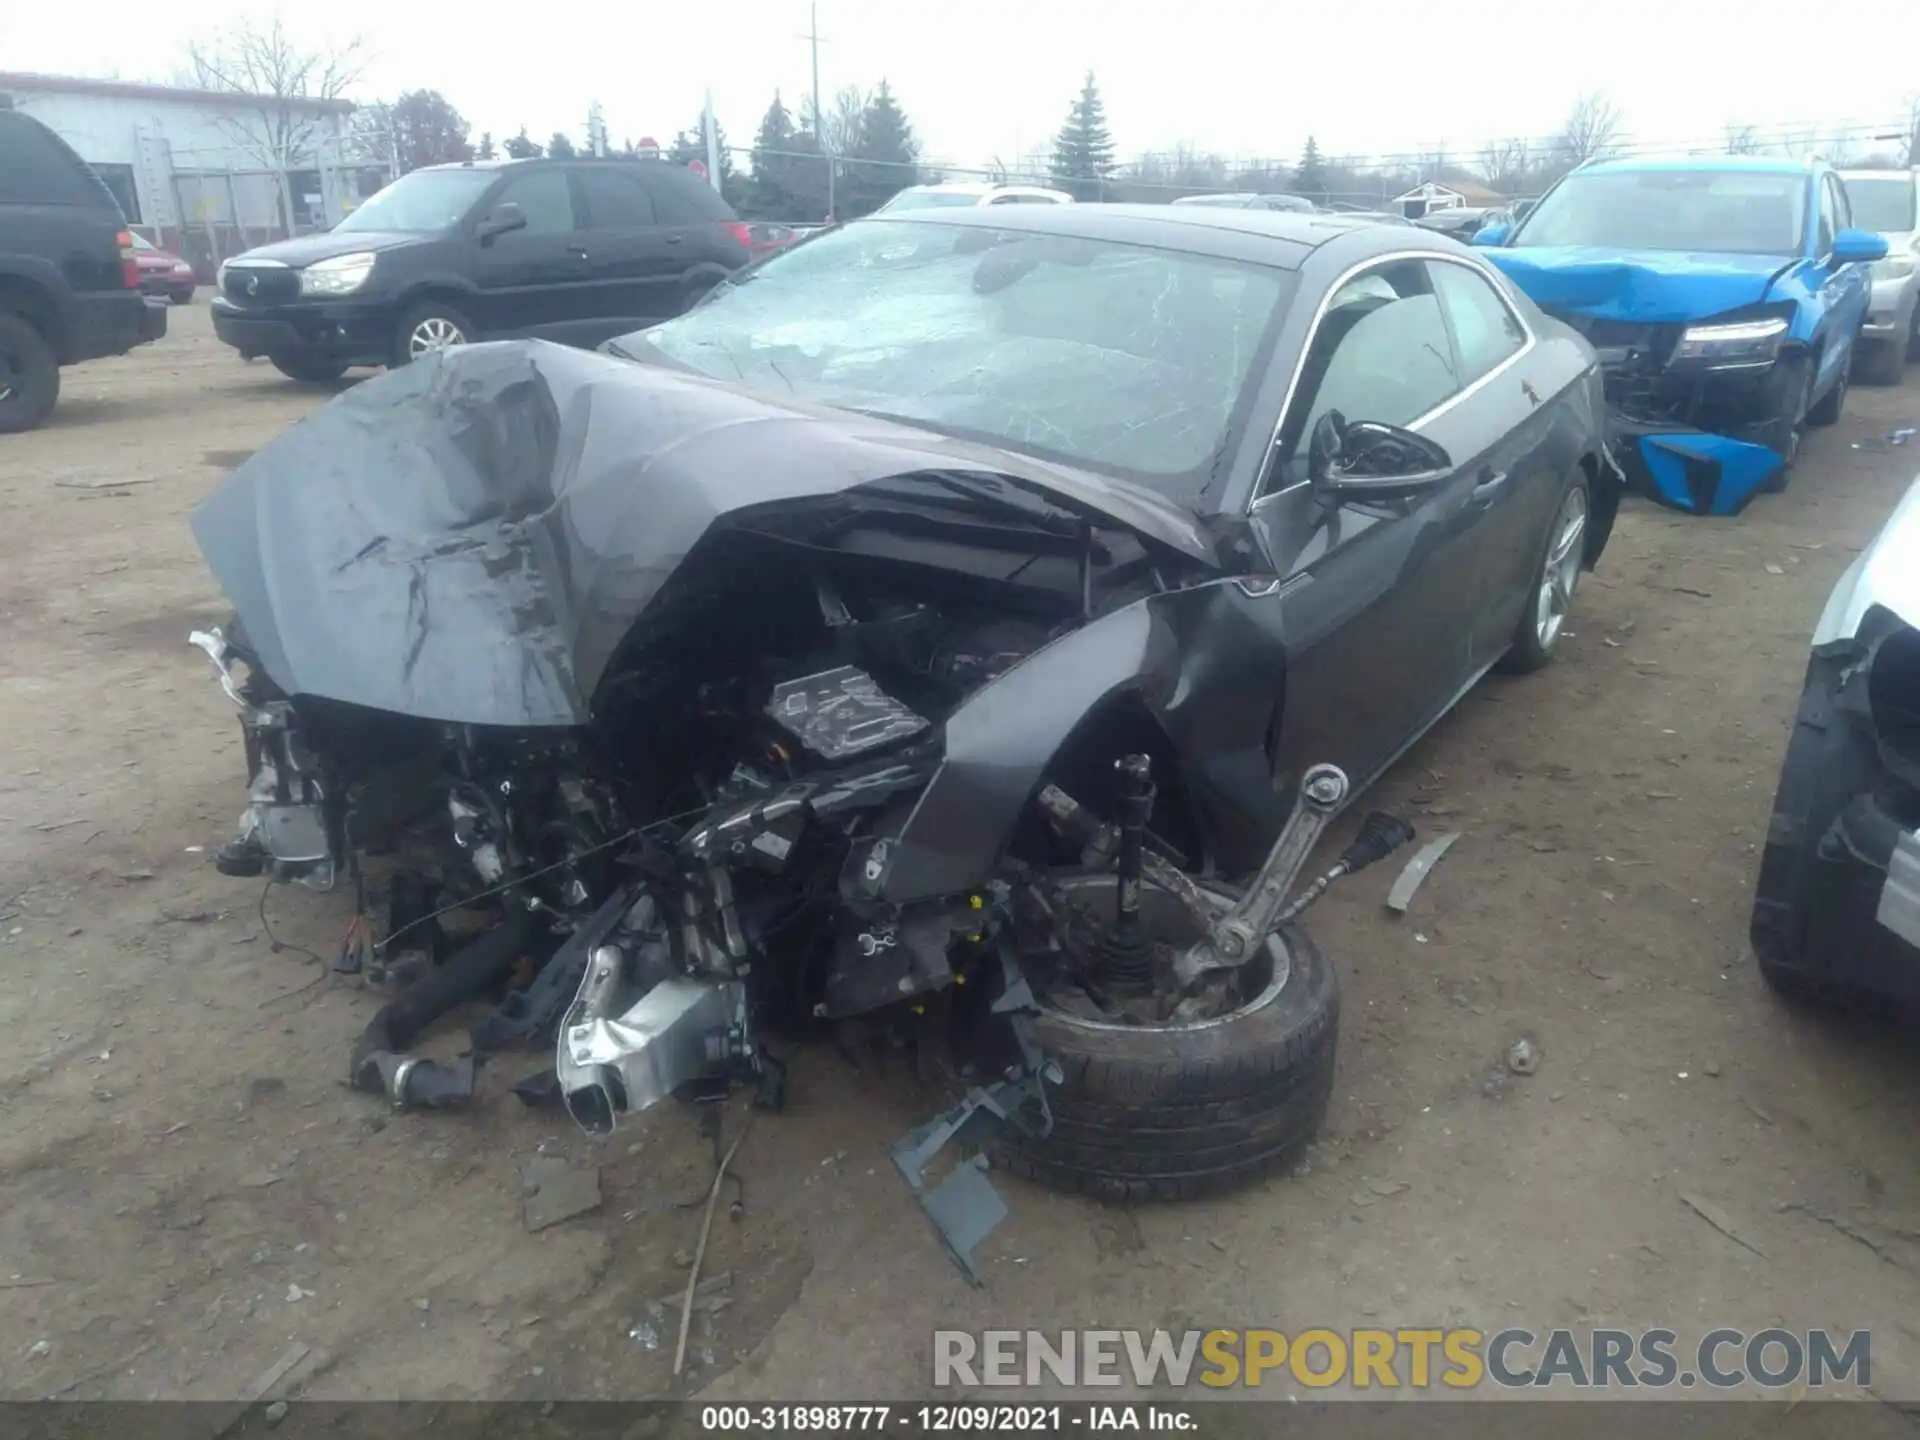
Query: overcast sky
x=995, y=77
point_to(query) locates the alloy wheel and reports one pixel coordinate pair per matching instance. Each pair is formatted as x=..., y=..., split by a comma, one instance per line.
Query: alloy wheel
x=435, y=332
x=1562, y=569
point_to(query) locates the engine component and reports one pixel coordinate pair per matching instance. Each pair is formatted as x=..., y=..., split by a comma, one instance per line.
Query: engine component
x=621, y=1053
x=840, y=713
x=1380, y=835
x=1126, y=958
x=380, y=1063
x=881, y=961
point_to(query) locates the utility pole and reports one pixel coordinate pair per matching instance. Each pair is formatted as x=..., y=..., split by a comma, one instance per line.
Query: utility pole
x=819, y=119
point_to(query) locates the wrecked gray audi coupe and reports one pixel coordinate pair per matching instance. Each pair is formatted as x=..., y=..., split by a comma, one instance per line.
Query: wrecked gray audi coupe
x=965, y=623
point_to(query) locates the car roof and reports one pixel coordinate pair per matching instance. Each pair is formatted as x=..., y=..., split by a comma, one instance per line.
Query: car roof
x=1282, y=239
x=1898, y=172
x=1753, y=164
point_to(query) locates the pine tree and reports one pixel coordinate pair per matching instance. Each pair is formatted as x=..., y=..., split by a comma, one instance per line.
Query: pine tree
x=886, y=159
x=691, y=144
x=1310, y=175
x=560, y=147
x=484, y=150
x=769, y=193
x=1083, y=150
x=519, y=147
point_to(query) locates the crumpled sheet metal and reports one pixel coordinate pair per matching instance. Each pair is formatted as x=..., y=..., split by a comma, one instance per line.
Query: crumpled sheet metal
x=470, y=537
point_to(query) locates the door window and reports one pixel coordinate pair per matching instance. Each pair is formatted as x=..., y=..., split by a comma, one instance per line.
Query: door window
x=614, y=201
x=1842, y=204
x=1484, y=326
x=1823, y=244
x=547, y=199
x=1381, y=352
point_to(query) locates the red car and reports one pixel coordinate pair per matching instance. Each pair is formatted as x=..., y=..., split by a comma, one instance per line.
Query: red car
x=163, y=273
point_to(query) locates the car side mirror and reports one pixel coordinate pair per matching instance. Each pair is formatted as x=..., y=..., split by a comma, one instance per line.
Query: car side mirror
x=500, y=220
x=1494, y=234
x=1856, y=247
x=1368, y=461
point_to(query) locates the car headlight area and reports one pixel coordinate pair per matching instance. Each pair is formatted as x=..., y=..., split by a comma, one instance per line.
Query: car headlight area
x=338, y=275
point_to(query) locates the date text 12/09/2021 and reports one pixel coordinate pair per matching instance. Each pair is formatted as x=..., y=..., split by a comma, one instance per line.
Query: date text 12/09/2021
x=963, y=1419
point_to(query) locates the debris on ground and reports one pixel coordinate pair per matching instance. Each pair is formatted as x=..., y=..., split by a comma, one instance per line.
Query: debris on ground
x=555, y=1191
x=1523, y=1056
x=1423, y=861
x=1888, y=441
x=1720, y=1220
x=700, y=1250
x=274, y=1378
x=275, y=1413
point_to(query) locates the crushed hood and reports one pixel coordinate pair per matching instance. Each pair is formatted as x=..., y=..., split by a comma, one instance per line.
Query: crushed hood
x=469, y=538
x=1642, y=286
x=1886, y=573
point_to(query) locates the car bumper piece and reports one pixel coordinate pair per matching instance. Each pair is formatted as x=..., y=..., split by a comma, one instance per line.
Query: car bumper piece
x=355, y=335
x=1694, y=471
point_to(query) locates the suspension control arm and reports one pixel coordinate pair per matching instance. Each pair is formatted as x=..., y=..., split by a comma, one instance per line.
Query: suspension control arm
x=1236, y=935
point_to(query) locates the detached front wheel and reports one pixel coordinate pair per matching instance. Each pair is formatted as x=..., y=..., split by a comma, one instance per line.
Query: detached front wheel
x=1175, y=1110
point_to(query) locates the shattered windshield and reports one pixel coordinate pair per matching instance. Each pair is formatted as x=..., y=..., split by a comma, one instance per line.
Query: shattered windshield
x=1135, y=361
x=423, y=202
x=1725, y=212
x=1884, y=205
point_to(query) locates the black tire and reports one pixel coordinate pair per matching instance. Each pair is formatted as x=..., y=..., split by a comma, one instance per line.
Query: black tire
x=1528, y=652
x=309, y=369
x=1178, y=1113
x=422, y=314
x=1829, y=761
x=29, y=375
x=1788, y=430
x=1884, y=363
x=1826, y=411
x=182, y=296
x=1913, y=335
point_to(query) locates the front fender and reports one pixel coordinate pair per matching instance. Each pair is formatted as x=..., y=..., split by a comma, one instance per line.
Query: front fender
x=1204, y=663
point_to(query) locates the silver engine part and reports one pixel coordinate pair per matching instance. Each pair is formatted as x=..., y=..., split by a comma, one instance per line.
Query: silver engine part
x=286, y=817
x=623, y=1051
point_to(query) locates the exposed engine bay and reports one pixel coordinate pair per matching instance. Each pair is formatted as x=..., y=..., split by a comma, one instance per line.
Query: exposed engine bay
x=926, y=750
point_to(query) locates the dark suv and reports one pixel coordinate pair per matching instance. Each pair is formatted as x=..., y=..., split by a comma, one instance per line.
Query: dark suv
x=571, y=250
x=69, y=283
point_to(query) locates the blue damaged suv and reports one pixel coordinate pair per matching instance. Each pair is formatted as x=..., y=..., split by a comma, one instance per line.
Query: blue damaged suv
x=1724, y=297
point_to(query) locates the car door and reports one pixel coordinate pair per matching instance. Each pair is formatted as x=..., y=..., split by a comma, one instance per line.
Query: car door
x=1379, y=599
x=634, y=263
x=1852, y=285
x=533, y=280
x=1503, y=432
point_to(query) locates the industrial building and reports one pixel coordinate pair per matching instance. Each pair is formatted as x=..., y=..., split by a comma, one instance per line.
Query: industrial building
x=204, y=173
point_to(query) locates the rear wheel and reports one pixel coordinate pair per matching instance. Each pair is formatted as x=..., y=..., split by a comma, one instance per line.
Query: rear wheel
x=309, y=369
x=29, y=375
x=1174, y=1110
x=1562, y=553
x=1913, y=335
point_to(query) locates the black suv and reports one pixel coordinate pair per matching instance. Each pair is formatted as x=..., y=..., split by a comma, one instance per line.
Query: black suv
x=69, y=283
x=571, y=250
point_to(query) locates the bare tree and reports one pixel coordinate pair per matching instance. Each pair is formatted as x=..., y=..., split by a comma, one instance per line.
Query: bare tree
x=846, y=111
x=1590, y=131
x=1742, y=139
x=1507, y=165
x=263, y=66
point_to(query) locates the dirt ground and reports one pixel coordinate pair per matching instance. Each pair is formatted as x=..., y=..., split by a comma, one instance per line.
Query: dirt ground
x=187, y=1189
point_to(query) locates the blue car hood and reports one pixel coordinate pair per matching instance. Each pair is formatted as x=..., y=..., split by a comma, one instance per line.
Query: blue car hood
x=1647, y=286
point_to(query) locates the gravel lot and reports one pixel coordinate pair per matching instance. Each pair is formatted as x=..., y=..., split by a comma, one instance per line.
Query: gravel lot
x=189, y=1189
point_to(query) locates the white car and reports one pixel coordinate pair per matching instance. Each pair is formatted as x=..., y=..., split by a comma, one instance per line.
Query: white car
x=1888, y=203
x=972, y=192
